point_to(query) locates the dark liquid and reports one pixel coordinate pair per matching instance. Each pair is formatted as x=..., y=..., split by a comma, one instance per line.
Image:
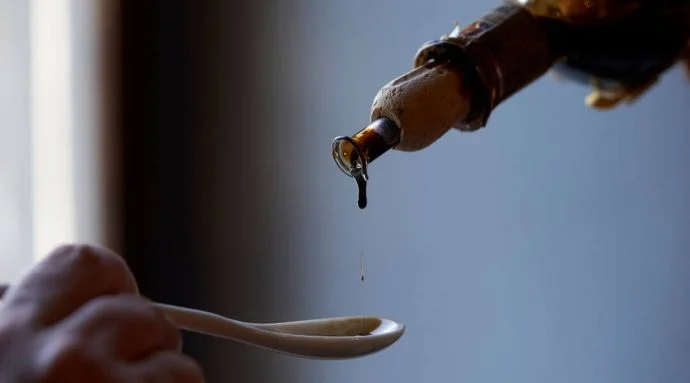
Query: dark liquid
x=362, y=186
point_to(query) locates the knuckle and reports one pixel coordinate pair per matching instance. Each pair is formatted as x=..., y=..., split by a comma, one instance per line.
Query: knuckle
x=99, y=262
x=83, y=254
x=63, y=250
x=97, y=259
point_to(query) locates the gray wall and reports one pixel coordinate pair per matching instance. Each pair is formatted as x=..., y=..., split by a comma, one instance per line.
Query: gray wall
x=550, y=247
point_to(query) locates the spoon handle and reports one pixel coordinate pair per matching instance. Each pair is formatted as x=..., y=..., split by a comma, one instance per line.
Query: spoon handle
x=207, y=323
x=200, y=322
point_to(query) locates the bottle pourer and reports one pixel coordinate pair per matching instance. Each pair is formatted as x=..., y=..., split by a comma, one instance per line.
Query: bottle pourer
x=409, y=113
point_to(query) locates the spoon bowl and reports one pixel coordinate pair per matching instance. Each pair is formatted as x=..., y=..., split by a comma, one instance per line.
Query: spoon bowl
x=328, y=338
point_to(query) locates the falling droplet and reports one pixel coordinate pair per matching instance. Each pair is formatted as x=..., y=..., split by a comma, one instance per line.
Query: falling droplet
x=361, y=266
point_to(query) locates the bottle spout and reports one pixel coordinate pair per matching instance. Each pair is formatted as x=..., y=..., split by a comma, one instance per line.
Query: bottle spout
x=354, y=154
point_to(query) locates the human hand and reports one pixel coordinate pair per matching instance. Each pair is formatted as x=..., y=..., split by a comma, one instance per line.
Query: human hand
x=77, y=317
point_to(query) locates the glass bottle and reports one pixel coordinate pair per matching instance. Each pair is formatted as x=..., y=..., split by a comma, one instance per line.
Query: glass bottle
x=618, y=47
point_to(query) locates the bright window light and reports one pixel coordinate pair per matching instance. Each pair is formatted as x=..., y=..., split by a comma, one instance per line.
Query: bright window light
x=51, y=118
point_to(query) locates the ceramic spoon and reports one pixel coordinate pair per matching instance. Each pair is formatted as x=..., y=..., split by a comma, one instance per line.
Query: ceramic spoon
x=328, y=338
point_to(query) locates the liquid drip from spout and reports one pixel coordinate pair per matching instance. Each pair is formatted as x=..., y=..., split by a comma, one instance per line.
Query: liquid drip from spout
x=362, y=188
x=353, y=154
x=352, y=162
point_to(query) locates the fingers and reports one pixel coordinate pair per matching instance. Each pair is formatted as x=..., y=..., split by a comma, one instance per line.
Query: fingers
x=65, y=357
x=167, y=367
x=66, y=279
x=129, y=327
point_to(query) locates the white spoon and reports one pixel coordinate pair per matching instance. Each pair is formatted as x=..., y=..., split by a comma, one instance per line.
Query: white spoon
x=328, y=338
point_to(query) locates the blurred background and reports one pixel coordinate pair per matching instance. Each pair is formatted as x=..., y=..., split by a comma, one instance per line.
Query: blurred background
x=194, y=138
